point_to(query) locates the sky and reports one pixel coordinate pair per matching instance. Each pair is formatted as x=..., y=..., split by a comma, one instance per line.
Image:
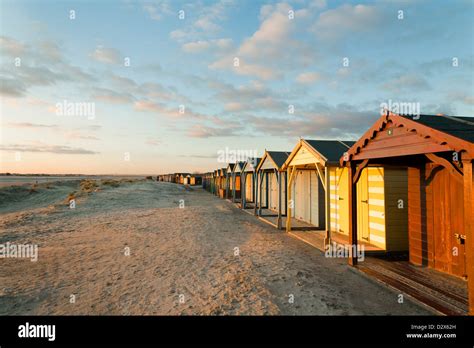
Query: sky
x=152, y=87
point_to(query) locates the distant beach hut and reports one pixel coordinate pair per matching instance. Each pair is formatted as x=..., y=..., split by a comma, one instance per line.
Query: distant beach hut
x=229, y=180
x=249, y=182
x=236, y=182
x=437, y=153
x=222, y=182
x=194, y=179
x=271, y=190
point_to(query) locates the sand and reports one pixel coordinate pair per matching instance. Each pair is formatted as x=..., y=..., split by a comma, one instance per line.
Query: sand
x=208, y=258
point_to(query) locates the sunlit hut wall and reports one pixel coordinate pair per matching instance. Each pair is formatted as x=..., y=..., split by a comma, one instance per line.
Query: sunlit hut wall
x=236, y=182
x=229, y=180
x=223, y=182
x=271, y=191
x=315, y=193
x=214, y=182
x=249, y=180
x=195, y=179
x=437, y=152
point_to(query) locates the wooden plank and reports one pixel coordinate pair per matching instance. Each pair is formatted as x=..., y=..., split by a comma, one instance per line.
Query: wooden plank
x=401, y=150
x=469, y=229
x=352, y=214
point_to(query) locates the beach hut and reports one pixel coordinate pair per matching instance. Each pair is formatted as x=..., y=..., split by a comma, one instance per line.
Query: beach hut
x=316, y=194
x=249, y=182
x=195, y=179
x=229, y=180
x=271, y=190
x=222, y=182
x=236, y=182
x=437, y=152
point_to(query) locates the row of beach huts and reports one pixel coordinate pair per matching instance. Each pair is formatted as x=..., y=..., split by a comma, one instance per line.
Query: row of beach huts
x=404, y=188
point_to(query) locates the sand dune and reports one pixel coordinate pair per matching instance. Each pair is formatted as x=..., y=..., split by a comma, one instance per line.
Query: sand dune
x=181, y=261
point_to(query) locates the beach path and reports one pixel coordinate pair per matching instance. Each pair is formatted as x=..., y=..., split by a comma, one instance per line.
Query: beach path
x=156, y=248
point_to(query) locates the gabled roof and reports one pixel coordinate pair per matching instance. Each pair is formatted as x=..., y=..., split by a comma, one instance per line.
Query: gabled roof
x=238, y=167
x=254, y=162
x=447, y=133
x=458, y=126
x=277, y=157
x=230, y=167
x=332, y=150
x=327, y=151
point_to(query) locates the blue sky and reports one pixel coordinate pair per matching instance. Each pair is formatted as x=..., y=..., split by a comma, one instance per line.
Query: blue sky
x=137, y=126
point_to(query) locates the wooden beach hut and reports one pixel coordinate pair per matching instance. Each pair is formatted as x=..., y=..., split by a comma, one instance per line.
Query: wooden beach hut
x=249, y=182
x=271, y=190
x=236, y=182
x=222, y=182
x=317, y=197
x=437, y=152
x=320, y=197
x=229, y=180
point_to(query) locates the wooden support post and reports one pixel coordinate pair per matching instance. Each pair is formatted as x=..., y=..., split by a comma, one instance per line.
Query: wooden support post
x=327, y=239
x=469, y=229
x=266, y=190
x=255, y=189
x=261, y=193
x=278, y=176
x=243, y=179
x=352, y=215
x=289, y=209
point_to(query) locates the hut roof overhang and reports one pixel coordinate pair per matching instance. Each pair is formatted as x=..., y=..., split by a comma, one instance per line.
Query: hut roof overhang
x=276, y=158
x=430, y=134
x=251, y=164
x=238, y=167
x=326, y=152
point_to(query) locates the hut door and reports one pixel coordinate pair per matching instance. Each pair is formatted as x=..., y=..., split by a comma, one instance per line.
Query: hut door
x=363, y=205
x=248, y=188
x=273, y=193
x=314, y=204
x=448, y=228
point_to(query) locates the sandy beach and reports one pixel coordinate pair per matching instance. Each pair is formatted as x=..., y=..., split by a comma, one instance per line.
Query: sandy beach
x=128, y=248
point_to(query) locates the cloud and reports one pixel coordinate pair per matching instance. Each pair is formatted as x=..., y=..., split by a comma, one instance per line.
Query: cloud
x=203, y=45
x=30, y=125
x=157, y=9
x=153, y=142
x=12, y=87
x=255, y=97
x=274, y=48
x=407, y=82
x=162, y=110
x=11, y=47
x=346, y=19
x=106, y=55
x=308, y=77
x=112, y=97
x=205, y=22
x=58, y=149
x=316, y=121
x=45, y=66
x=202, y=131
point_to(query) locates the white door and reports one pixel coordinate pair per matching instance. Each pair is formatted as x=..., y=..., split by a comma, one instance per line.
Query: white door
x=302, y=199
x=273, y=191
x=314, y=206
